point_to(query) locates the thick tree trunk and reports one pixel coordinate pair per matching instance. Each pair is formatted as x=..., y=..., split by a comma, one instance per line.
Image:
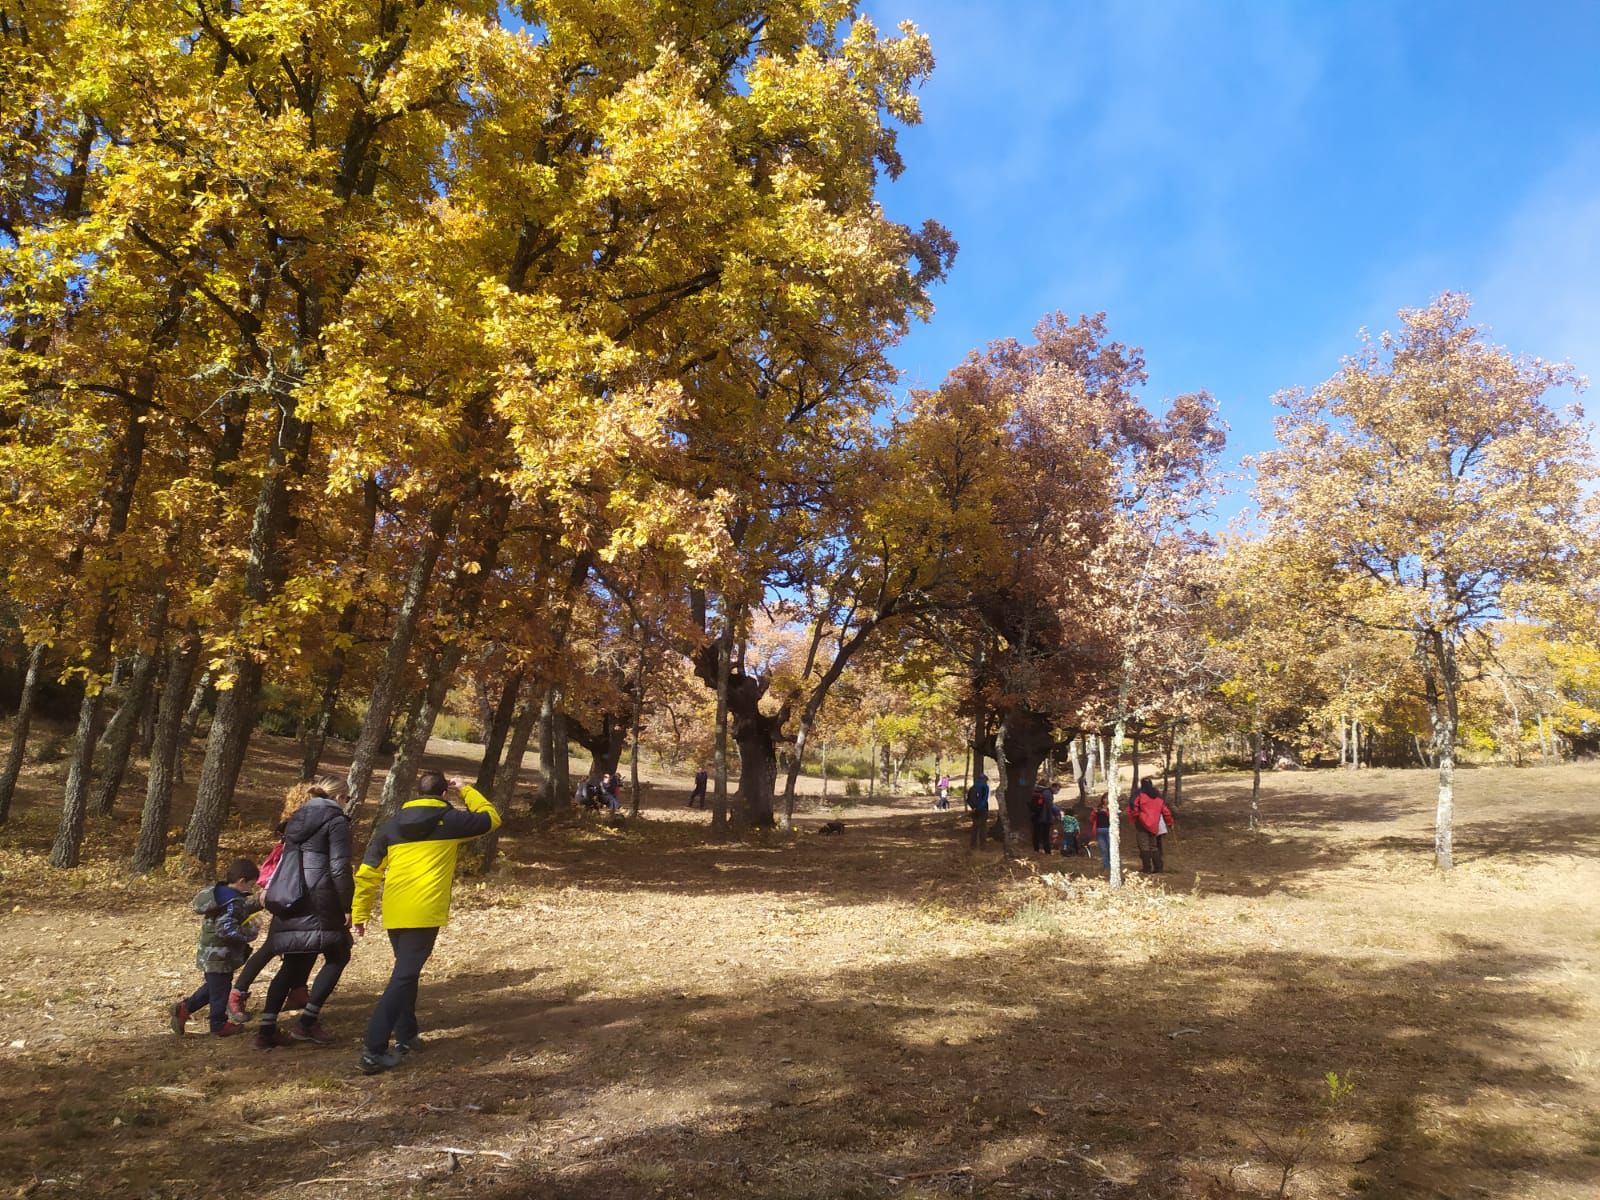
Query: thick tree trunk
x=151, y=850
x=19, y=731
x=1027, y=738
x=499, y=726
x=392, y=671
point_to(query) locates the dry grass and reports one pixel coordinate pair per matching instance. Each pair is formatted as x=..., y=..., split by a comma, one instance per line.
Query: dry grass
x=647, y=1012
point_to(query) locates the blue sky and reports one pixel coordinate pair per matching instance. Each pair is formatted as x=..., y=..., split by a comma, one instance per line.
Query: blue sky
x=1243, y=186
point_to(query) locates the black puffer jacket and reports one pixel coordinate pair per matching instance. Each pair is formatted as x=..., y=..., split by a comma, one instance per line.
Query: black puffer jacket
x=322, y=831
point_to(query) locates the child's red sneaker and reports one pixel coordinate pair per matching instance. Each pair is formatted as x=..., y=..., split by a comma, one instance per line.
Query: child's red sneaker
x=228, y=1029
x=179, y=1016
x=236, y=1012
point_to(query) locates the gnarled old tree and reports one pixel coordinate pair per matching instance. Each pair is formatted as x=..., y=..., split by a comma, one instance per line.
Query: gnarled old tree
x=1073, y=460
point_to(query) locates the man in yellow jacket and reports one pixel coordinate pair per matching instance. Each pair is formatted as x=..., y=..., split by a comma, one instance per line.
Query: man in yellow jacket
x=413, y=857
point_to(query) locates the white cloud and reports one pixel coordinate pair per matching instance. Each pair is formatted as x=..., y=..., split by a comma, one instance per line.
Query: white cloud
x=1539, y=288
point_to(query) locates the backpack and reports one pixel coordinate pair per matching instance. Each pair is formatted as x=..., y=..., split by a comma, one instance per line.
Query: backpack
x=286, y=894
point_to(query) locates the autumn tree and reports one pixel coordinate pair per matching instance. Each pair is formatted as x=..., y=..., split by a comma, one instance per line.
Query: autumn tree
x=1434, y=490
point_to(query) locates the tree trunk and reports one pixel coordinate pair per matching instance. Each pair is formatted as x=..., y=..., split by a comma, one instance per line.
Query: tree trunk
x=203, y=691
x=1177, y=772
x=264, y=574
x=547, y=798
x=494, y=741
x=1344, y=749
x=826, y=743
x=1027, y=739
x=638, y=716
x=1441, y=679
x=392, y=671
x=401, y=781
x=151, y=850
x=19, y=731
x=1255, y=779
x=124, y=727
x=719, y=756
x=872, y=768
x=509, y=773
x=126, y=467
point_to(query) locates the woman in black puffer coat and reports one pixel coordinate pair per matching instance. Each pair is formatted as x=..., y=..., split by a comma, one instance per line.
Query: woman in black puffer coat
x=320, y=923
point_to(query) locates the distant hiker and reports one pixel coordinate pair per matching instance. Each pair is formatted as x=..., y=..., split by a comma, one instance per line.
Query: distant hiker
x=413, y=857
x=978, y=806
x=943, y=789
x=1151, y=821
x=1044, y=814
x=225, y=936
x=590, y=794
x=699, y=792
x=1100, y=830
x=316, y=842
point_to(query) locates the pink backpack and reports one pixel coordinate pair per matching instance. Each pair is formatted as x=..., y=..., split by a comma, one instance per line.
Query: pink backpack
x=270, y=867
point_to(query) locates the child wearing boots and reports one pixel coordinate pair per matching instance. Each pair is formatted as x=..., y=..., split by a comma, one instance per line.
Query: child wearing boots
x=225, y=908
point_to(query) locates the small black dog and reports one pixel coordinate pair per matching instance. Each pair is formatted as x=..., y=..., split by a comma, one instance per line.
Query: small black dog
x=832, y=827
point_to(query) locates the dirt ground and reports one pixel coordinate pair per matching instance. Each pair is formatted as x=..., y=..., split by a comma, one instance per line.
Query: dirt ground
x=651, y=1013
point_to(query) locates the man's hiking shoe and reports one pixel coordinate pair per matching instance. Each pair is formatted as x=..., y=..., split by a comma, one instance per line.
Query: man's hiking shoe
x=180, y=1017
x=236, y=1010
x=228, y=1029
x=377, y=1064
x=297, y=998
x=272, y=1038
x=315, y=1032
x=414, y=1046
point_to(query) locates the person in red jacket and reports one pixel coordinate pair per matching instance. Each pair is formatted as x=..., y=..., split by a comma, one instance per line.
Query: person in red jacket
x=1151, y=820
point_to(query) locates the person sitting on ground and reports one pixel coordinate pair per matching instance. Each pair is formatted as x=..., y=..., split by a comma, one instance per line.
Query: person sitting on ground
x=320, y=924
x=1151, y=820
x=412, y=857
x=590, y=794
x=225, y=937
x=1070, y=834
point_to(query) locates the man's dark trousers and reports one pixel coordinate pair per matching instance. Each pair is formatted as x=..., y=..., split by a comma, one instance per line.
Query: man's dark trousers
x=396, y=1012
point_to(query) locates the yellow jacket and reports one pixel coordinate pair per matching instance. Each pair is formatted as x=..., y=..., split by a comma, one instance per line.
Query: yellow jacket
x=413, y=855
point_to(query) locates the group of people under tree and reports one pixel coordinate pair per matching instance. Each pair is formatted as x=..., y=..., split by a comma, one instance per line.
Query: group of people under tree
x=1054, y=827
x=319, y=905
